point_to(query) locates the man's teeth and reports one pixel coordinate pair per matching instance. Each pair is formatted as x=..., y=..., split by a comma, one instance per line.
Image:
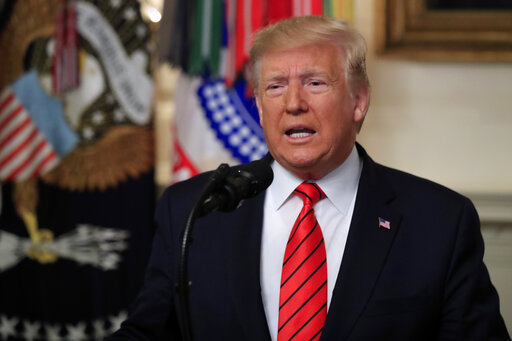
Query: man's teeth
x=298, y=135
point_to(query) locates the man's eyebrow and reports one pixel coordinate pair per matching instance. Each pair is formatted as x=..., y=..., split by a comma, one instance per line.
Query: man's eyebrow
x=304, y=74
x=315, y=73
x=275, y=77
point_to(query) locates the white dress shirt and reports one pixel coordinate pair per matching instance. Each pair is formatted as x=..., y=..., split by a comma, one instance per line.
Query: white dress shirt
x=280, y=210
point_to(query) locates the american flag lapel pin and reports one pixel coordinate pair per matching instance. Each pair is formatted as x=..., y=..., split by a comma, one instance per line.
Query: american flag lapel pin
x=384, y=223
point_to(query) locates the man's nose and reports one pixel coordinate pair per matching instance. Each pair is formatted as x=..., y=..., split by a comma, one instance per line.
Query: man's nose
x=295, y=99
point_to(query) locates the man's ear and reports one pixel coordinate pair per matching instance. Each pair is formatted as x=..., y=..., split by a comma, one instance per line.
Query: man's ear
x=361, y=102
x=258, y=105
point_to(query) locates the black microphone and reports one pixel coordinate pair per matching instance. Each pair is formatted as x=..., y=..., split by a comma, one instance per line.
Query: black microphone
x=241, y=182
x=225, y=189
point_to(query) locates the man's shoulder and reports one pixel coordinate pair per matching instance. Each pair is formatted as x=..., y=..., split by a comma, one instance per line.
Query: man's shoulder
x=183, y=193
x=416, y=189
x=191, y=184
x=405, y=184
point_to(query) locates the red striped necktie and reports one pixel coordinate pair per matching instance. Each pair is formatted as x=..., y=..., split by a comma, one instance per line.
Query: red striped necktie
x=303, y=295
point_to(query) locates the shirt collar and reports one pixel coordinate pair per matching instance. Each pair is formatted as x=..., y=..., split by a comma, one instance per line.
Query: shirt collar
x=339, y=186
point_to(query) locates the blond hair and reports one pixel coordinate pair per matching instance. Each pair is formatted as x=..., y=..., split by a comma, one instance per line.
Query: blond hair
x=301, y=31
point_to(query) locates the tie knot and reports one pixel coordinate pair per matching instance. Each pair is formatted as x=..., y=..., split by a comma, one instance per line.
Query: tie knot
x=309, y=192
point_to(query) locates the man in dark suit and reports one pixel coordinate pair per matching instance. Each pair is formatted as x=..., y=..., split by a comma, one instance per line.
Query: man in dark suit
x=394, y=257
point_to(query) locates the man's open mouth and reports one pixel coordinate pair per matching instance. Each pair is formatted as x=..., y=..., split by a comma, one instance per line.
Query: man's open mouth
x=300, y=132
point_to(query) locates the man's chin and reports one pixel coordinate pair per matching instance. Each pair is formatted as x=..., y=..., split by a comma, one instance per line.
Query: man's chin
x=306, y=169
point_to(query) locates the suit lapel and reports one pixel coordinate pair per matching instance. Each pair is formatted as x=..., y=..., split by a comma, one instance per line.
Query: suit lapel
x=365, y=254
x=244, y=267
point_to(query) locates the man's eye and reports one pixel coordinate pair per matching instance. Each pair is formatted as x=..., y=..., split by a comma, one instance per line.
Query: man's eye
x=274, y=89
x=316, y=83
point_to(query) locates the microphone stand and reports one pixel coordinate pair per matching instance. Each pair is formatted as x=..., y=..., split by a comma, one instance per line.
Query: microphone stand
x=183, y=285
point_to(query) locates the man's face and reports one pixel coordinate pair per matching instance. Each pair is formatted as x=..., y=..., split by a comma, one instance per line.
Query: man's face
x=306, y=111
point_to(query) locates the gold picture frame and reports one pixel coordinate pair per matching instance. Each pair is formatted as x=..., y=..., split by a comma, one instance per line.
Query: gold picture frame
x=410, y=29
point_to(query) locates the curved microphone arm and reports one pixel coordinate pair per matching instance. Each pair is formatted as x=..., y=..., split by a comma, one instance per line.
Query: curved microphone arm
x=183, y=285
x=224, y=191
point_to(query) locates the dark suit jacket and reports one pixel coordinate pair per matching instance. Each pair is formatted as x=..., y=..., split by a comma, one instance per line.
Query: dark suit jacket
x=423, y=279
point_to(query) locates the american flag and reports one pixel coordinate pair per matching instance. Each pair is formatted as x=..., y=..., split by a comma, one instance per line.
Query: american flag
x=384, y=223
x=24, y=151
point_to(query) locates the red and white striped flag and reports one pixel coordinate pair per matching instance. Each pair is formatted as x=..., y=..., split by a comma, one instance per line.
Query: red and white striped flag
x=24, y=151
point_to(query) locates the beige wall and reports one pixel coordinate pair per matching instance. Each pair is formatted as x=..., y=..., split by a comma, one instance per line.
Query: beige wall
x=452, y=123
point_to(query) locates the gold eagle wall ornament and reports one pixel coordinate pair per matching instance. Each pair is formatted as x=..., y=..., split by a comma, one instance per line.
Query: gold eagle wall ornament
x=115, y=141
x=112, y=146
